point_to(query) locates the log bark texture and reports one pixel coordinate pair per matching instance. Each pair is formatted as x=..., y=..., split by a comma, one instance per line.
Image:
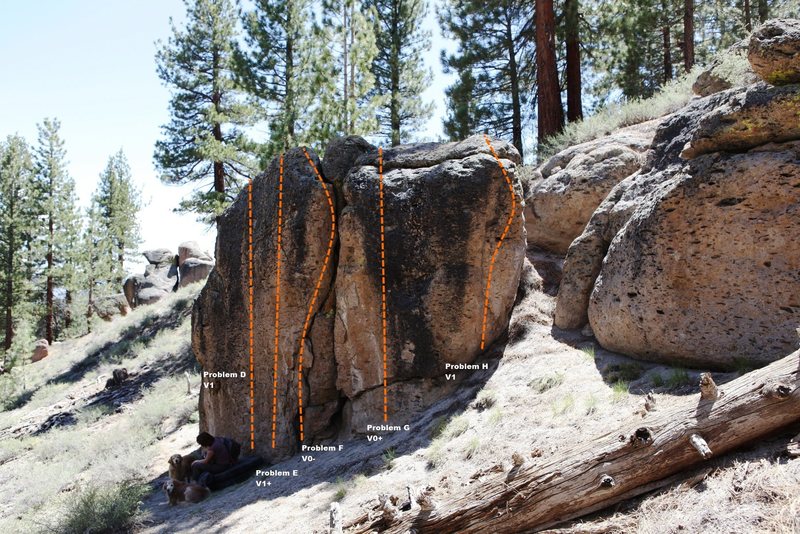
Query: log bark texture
x=621, y=464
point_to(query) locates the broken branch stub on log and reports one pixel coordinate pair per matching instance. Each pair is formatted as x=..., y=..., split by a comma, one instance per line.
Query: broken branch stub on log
x=621, y=464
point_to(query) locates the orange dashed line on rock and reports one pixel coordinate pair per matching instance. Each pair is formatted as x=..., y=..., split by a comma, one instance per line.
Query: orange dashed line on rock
x=277, y=305
x=499, y=243
x=383, y=289
x=315, y=295
x=250, y=311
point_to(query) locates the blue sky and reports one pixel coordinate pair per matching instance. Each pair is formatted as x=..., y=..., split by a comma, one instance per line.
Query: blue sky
x=90, y=63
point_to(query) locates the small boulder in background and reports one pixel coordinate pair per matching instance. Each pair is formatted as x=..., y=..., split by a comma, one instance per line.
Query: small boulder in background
x=774, y=51
x=41, y=350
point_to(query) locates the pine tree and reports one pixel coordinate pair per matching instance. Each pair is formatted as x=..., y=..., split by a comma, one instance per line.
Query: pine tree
x=58, y=239
x=277, y=68
x=550, y=112
x=346, y=105
x=573, y=62
x=688, y=34
x=494, y=46
x=99, y=258
x=463, y=112
x=398, y=67
x=17, y=222
x=118, y=202
x=203, y=141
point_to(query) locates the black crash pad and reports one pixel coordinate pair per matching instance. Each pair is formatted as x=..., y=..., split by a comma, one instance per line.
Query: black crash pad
x=239, y=472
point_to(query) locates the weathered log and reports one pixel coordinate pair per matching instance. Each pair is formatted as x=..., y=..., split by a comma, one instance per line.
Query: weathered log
x=622, y=464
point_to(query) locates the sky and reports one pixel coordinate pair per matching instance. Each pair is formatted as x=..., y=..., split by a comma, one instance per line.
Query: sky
x=90, y=63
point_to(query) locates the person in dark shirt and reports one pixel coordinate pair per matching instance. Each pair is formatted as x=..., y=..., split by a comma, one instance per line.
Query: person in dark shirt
x=218, y=456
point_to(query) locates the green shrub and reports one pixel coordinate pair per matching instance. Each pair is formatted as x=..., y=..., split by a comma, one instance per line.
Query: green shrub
x=563, y=405
x=389, y=456
x=627, y=372
x=545, y=383
x=472, y=448
x=657, y=380
x=107, y=509
x=677, y=378
x=619, y=391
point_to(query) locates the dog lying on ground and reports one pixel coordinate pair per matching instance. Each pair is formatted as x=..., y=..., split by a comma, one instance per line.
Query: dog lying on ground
x=177, y=491
x=180, y=467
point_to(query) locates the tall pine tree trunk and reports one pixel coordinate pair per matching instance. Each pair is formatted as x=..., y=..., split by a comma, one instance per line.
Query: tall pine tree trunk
x=550, y=113
x=345, y=84
x=516, y=106
x=216, y=130
x=574, y=102
x=665, y=32
x=748, y=21
x=289, y=105
x=50, y=282
x=9, y=297
x=394, y=65
x=89, y=306
x=68, y=310
x=352, y=126
x=688, y=34
x=763, y=10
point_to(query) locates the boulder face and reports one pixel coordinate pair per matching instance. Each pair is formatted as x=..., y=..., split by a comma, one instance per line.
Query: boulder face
x=774, y=51
x=707, y=269
x=446, y=207
x=575, y=181
x=221, y=313
x=691, y=260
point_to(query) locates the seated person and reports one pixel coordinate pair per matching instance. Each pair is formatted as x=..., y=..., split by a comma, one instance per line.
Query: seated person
x=219, y=454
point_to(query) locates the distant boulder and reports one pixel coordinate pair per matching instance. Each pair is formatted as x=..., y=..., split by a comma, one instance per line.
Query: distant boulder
x=41, y=350
x=111, y=306
x=729, y=69
x=192, y=249
x=194, y=270
x=774, y=51
x=159, y=256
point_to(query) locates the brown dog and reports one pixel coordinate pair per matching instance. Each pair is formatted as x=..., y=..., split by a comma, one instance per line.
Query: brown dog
x=180, y=467
x=177, y=491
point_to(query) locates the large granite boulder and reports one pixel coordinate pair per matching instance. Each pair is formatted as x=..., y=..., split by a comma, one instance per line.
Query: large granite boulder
x=446, y=207
x=747, y=118
x=221, y=314
x=575, y=181
x=707, y=270
x=691, y=261
x=774, y=51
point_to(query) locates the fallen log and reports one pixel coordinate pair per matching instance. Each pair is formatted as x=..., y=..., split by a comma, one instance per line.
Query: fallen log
x=622, y=464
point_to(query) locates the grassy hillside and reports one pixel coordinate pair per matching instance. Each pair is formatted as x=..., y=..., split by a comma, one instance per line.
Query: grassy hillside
x=73, y=454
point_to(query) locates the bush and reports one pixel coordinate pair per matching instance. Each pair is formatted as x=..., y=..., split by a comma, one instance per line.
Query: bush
x=670, y=98
x=104, y=510
x=545, y=383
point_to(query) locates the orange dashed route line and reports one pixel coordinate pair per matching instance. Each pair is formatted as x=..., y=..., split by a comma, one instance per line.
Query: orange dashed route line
x=500, y=242
x=277, y=305
x=315, y=295
x=250, y=310
x=383, y=289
